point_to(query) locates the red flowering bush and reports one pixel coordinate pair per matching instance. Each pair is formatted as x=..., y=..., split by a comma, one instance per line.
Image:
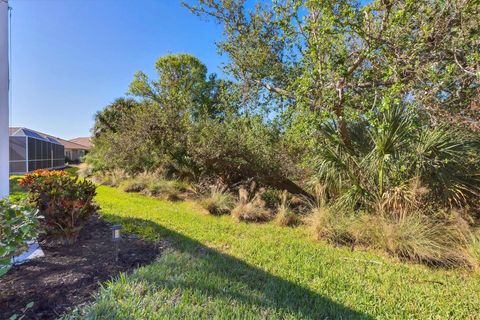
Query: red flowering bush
x=65, y=202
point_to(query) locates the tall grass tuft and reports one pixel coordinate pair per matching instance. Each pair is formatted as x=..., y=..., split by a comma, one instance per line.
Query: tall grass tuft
x=172, y=190
x=412, y=236
x=421, y=239
x=251, y=208
x=218, y=201
x=111, y=178
x=85, y=170
x=132, y=185
x=149, y=183
x=285, y=216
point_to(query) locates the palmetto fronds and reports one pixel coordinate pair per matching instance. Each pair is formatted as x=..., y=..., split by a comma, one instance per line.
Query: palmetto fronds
x=391, y=149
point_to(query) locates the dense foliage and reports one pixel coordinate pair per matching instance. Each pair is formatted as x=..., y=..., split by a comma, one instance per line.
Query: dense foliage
x=186, y=134
x=376, y=103
x=392, y=162
x=65, y=202
x=17, y=225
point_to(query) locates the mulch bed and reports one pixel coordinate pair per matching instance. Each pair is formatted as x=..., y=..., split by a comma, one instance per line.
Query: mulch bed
x=68, y=275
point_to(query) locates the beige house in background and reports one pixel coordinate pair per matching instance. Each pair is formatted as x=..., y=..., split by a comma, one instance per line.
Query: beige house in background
x=76, y=148
x=83, y=141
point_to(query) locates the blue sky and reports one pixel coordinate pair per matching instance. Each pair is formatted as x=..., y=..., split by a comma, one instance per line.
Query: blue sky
x=70, y=58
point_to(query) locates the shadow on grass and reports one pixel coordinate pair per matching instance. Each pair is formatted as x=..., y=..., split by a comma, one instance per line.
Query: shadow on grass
x=259, y=289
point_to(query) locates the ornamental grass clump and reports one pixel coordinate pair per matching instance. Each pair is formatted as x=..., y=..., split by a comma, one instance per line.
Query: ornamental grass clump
x=65, y=202
x=285, y=216
x=132, y=185
x=171, y=190
x=414, y=236
x=251, y=209
x=219, y=201
x=111, y=178
x=422, y=239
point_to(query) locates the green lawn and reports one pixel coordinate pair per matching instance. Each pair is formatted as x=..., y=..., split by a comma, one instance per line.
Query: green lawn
x=16, y=192
x=219, y=269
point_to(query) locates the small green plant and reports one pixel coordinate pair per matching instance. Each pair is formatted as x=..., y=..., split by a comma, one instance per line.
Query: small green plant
x=218, y=201
x=17, y=225
x=65, y=202
x=251, y=209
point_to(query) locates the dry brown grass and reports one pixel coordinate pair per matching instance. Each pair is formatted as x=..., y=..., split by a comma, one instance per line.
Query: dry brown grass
x=402, y=200
x=411, y=236
x=251, y=209
x=111, y=178
x=84, y=170
x=285, y=216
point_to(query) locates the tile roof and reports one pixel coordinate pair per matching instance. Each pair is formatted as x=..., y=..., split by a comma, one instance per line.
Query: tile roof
x=84, y=141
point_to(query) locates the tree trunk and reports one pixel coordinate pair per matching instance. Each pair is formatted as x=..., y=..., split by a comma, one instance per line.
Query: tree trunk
x=342, y=124
x=290, y=186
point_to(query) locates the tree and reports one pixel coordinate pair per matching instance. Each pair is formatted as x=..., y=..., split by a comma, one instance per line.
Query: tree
x=112, y=117
x=182, y=85
x=339, y=58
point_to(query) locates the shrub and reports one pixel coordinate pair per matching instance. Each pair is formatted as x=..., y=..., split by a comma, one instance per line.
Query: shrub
x=389, y=151
x=285, y=216
x=65, y=202
x=251, y=209
x=17, y=225
x=219, y=201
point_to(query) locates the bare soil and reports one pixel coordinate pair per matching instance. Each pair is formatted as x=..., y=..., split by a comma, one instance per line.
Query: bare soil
x=68, y=275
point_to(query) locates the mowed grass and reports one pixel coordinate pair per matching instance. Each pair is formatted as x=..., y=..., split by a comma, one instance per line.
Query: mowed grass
x=216, y=268
x=16, y=191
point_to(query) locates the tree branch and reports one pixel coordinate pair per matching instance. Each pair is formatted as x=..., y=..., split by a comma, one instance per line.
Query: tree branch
x=277, y=90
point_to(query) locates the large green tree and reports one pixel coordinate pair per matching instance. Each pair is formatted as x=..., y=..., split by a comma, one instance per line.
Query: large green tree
x=339, y=57
x=113, y=117
x=182, y=87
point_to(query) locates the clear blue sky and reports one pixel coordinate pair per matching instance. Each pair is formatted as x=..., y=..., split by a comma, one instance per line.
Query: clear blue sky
x=70, y=58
